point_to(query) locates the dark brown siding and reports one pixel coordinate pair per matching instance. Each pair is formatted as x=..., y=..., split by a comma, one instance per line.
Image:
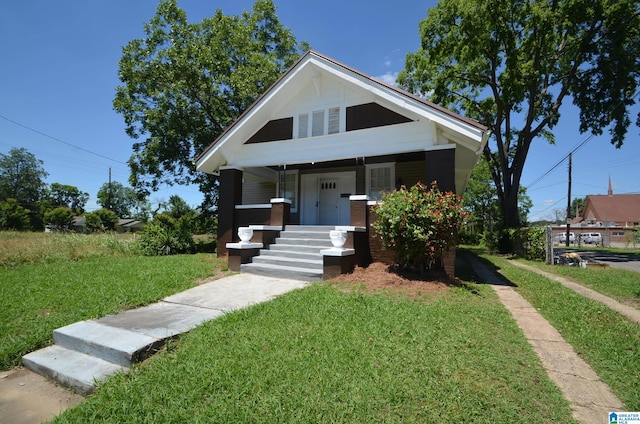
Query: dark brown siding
x=259, y=216
x=371, y=115
x=277, y=129
x=409, y=173
x=440, y=167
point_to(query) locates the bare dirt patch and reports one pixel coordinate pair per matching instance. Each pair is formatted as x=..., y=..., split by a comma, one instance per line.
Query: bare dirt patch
x=379, y=277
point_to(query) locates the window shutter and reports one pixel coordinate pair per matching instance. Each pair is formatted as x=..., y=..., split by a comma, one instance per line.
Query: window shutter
x=303, y=125
x=317, y=127
x=334, y=120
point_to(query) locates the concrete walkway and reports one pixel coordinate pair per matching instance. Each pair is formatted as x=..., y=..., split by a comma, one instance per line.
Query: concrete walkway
x=591, y=399
x=28, y=398
x=632, y=313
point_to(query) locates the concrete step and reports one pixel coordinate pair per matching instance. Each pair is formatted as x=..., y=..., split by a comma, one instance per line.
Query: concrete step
x=72, y=369
x=316, y=235
x=315, y=228
x=282, y=271
x=313, y=254
x=289, y=261
x=116, y=345
x=319, y=243
x=292, y=247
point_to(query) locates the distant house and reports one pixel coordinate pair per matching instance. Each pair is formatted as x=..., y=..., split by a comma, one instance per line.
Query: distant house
x=614, y=216
x=326, y=139
x=129, y=225
x=613, y=210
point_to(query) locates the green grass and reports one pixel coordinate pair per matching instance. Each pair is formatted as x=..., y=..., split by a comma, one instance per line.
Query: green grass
x=36, y=299
x=323, y=354
x=606, y=340
x=620, y=284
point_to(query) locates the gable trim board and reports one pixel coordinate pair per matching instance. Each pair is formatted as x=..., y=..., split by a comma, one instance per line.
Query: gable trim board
x=426, y=126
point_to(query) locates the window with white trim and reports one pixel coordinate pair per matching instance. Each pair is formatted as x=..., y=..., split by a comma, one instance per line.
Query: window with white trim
x=380, y=178
x=288, y=187
x=319, y=122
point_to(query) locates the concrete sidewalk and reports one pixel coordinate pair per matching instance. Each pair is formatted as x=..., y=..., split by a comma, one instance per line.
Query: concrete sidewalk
x=591, y=399
x=26, y=397
x=632, y=313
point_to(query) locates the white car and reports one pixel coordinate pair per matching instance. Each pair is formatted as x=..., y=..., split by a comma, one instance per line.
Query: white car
x=591, y=238
x=562, y=237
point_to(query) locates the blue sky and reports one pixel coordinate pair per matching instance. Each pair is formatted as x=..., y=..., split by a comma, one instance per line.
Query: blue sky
x=58, y=75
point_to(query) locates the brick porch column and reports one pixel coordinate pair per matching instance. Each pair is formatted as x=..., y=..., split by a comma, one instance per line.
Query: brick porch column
x=229, y=196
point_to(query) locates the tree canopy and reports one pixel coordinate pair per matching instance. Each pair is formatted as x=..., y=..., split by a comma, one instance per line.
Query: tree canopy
x=67, y=196
x=123, y=201
x=184, y=83
x=22, y=177
x=511, y=65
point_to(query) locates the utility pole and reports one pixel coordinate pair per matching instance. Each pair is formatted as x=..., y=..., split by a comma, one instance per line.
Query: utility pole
x=568, y=206
x=109, y=191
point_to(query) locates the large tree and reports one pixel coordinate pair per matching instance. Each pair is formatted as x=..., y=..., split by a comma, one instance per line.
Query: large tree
x=123, y=201
x=184, y=83
x=511, y=65
x=22, y=177
x=480, y=199
x=68, y=196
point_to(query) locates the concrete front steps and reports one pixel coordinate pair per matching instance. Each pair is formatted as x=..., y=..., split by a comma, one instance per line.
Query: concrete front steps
x=88, y=351
x=294, y=255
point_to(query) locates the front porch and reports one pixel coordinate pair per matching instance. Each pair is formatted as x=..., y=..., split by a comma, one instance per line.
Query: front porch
x=304, y=252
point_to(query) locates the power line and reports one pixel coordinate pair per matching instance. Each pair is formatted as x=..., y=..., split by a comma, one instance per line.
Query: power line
x=575, y=149
x=578, y=147
x=60, y=141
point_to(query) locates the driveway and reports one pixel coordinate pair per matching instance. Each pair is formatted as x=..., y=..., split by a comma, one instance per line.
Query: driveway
x=628, y=261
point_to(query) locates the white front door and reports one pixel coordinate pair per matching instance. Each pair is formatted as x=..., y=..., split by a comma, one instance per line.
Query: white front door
x=328, y=201
x=325, y=198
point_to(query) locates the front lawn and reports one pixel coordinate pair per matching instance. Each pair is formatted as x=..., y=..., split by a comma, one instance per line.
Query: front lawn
x=327, y=353
x=36, y=299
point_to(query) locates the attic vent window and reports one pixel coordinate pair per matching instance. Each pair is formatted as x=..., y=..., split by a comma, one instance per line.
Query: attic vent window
x=317, y=125
x=319, y=122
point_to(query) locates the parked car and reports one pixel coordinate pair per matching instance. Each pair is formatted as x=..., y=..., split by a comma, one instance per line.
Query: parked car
x=591, y=238
x=562, y=237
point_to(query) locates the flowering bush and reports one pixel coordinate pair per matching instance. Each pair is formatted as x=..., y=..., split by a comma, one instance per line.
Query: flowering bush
x=419, y=224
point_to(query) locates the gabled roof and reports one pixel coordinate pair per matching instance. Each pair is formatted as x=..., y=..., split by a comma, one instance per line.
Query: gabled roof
x=312, y=67
x=620, y=208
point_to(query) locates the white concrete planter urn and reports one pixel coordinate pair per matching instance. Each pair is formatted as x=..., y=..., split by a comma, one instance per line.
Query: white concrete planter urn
x=338, y=238
x=245, y=234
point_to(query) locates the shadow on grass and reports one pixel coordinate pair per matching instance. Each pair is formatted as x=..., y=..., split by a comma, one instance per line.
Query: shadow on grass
x=471, y=257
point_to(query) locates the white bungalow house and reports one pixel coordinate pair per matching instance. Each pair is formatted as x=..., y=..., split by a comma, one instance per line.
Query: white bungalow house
x=321, y=144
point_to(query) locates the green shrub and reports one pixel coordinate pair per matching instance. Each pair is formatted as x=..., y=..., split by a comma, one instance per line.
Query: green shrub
x=167, y=236
x=524, y=242
x=419, y=224
x=13, y=216
x=108, y=219
x=59, y=218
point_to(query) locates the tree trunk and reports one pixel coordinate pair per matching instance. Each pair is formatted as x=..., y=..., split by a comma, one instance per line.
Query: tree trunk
x=510, y=209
